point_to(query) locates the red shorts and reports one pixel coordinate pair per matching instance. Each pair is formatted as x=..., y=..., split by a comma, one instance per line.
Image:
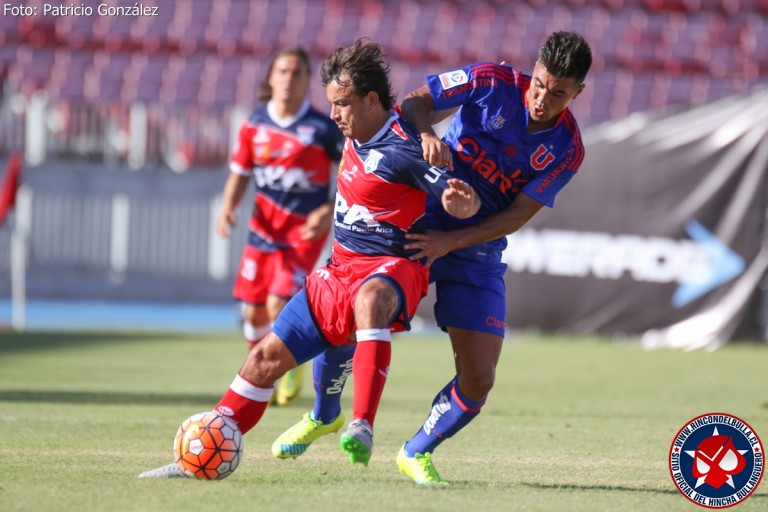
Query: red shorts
x=331, y=290
x=278, y=273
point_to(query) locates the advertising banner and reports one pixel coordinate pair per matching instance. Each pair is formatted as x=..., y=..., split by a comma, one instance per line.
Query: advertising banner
x=662, y=233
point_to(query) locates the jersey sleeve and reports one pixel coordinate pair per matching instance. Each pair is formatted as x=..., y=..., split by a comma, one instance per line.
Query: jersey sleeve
x=544, y=187
x=465, y=85
x=241, y=161
x=417, y=173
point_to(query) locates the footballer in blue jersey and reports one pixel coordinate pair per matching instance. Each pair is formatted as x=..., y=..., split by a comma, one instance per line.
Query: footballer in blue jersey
x=515, y=141
x=495, y=149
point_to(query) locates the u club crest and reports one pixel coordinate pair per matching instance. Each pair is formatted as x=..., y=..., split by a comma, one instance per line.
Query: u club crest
x=716, y=460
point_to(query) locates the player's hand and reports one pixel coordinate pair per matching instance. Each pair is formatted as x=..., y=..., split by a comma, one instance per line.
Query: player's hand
x=226, y=220
x=460, y=199
x=318, y=223
x=431, y=245
x=436, y=152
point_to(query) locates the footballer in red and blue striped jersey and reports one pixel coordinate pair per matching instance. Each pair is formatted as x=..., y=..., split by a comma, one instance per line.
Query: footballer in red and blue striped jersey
x=291, y=166
x=387, y=170
x=290, y=161
x=382, y=187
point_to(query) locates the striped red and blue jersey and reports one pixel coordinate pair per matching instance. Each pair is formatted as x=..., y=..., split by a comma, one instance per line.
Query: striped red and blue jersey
x=291, y=167
x=382, y=187
x=493, y=150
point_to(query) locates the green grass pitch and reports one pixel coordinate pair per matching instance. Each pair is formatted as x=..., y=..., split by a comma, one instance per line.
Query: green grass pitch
x=572, y=425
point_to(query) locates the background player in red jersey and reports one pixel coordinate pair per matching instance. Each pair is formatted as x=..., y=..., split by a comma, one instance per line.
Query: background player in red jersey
x=370, y=287
x=288, y=149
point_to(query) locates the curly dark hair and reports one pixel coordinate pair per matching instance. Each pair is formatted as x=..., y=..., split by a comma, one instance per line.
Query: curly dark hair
x=566, y=55
x=363, y=66
x=265, y=90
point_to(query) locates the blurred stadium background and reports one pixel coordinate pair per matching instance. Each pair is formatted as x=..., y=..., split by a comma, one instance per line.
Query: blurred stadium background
x=124, y=124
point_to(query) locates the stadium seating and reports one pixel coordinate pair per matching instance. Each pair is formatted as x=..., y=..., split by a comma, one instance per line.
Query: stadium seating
x=201, y=53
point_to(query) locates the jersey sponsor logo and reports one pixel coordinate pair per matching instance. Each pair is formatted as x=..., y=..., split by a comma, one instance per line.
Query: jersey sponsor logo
x=358, y=218
x=448, y=93
x=264, y=152
x=716, y=460
x=354, y=213
x=468, y=150
x=498, y=123
x=541, y=158
x=278, y=177
x=566, y=164
x=323, y=273
x=372, y=161
x=261, y=152
x=347, y=174
x=453, y=78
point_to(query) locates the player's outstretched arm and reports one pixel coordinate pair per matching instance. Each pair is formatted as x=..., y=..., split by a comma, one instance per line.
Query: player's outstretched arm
x=460, y=199
x=434, y=244
x=418, y=109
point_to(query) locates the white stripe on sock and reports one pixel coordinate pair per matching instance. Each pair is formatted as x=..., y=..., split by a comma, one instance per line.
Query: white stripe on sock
x=244, y=388
x=373, y=335
x=255, y=332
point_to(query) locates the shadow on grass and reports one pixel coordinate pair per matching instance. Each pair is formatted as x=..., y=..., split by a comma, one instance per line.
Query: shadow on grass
x=27, y=342
x=107, y=398
x=610, y=488
x=615, y=488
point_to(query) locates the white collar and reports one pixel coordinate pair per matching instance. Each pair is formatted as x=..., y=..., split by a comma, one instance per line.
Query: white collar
x=285, y=122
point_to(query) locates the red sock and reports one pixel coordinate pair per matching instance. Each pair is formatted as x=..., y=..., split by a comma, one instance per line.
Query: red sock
x=370, y=367
x=244, y=403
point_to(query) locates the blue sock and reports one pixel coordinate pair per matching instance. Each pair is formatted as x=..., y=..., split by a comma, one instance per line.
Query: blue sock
x=329, y=374
x=451, y=411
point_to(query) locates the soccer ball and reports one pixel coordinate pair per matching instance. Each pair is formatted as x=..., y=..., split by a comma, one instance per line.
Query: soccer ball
x=208, y=446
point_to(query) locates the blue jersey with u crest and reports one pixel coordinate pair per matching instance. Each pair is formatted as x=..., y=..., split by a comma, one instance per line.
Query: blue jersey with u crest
x=492, y=149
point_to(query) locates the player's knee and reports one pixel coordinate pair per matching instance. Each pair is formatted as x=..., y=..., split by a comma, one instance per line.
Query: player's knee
x=477, y=386
x=375, y=303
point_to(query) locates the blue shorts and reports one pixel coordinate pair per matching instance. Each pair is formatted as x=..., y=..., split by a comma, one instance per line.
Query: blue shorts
x=296, y=328
x=470, y=291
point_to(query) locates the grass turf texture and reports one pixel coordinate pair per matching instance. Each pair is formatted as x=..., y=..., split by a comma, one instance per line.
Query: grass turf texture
x=576, y=425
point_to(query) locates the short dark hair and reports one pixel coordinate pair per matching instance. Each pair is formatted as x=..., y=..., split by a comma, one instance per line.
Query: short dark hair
x=566, y=55
x=365, y=65
x=265, y=90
